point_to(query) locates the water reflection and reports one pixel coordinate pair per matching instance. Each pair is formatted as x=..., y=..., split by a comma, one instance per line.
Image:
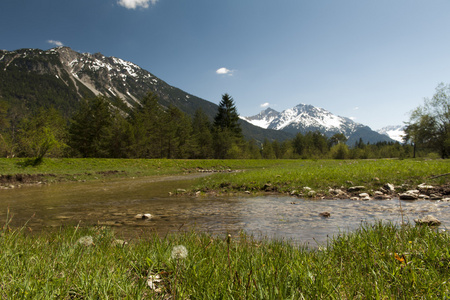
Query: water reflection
x=116, y=203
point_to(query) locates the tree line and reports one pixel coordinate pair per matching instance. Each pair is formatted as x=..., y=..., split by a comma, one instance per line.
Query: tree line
x=429, y=126
x=100, y=129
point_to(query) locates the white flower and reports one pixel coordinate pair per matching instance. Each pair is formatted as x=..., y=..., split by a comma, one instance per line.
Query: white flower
x=86, y=240
x=179, y=252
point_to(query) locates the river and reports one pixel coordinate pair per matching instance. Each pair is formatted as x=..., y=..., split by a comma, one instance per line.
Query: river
x=116, y=203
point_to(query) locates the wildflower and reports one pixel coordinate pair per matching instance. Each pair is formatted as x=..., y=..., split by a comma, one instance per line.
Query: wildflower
x=86, y=240
x=179, y=252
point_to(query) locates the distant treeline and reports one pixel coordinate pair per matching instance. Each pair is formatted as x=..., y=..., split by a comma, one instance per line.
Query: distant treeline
x=101, y=128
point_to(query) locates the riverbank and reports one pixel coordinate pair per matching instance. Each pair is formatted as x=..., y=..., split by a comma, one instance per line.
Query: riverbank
x=358, y=179
x=378, y=261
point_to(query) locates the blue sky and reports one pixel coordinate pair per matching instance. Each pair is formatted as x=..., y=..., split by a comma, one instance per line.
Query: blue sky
x=373, y=61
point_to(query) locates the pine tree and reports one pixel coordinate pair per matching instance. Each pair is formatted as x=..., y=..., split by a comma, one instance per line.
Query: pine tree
x=148, y=133
x=90, y=128
x=227, y=116
x=202, y=146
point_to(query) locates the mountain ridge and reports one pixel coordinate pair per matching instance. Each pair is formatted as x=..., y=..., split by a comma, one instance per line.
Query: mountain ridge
x=60, y=77
x=305, y=117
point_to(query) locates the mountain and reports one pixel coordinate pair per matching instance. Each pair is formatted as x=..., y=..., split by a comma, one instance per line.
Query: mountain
x=303, y=118
x=61, y=77
x=395, y=132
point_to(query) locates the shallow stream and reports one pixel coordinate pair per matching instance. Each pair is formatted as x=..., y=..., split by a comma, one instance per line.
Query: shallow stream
x=116, y=203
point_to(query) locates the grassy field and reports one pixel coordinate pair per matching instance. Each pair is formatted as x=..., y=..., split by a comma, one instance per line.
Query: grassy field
x=379, y=261
x=321, y=175
x=283, y=176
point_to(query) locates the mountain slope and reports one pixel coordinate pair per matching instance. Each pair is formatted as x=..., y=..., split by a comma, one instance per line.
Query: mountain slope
x=395, y=132
x=60, y=77
x=303, y=118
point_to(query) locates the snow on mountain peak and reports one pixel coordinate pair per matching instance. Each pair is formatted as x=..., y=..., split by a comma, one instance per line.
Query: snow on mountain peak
x=395, y=132
x=305, y=118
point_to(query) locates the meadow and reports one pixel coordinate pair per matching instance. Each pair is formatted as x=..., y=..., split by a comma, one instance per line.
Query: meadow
x=377, y=261
x=238, y=176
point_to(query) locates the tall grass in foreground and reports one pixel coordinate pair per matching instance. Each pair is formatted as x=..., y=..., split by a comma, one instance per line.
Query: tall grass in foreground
x=379, y=261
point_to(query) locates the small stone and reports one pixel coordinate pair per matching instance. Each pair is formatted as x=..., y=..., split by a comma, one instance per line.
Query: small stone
x=389, y=187
x=356, y=188
x=382, y=197
x=378, y=193
x=311, y=193
x=143, y=216
x=354, y=198
x=325, y=214
x=335, y=191
x=423, y=186
x=363, y=195
x=435, y=197
x=413, y=192
x=408, y=196
x=428, y=220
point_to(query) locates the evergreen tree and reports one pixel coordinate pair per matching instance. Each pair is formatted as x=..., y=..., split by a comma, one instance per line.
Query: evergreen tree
x=4, y=126
x=90, y=128
x=147, y=128
x=228, y=138
x=253, y=151
x=121, y=135
x=227, y=116
x=267, y=150
x=202, y=139
x=177, y=131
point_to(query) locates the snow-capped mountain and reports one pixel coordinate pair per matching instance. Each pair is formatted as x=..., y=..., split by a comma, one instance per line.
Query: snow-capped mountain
x=395, y=132
x=83, y=75
x=303, y=118
x=61, y=77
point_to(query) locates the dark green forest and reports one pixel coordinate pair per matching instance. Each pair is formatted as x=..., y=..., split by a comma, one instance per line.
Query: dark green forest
x=103, y=128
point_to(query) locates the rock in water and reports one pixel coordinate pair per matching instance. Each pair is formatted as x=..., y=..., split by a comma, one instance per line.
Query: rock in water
x=428, y=220
x=143, y=216
x=325, y=214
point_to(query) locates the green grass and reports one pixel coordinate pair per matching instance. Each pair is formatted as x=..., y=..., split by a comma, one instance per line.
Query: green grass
x=379, y=261
x=283, y=176
x=76, y=169
x=288, y=176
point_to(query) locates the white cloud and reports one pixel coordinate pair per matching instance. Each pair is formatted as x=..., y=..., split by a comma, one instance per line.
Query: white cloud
x=224, y=71
x=133, y=4
x=352, y=118
x=264, y=105
x=56, y=43
x=356, y=108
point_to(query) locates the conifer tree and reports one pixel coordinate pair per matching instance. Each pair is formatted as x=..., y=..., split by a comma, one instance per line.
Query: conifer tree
x=148, y=135
x=90, y=128
x=202, y=139
x=227, y=116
